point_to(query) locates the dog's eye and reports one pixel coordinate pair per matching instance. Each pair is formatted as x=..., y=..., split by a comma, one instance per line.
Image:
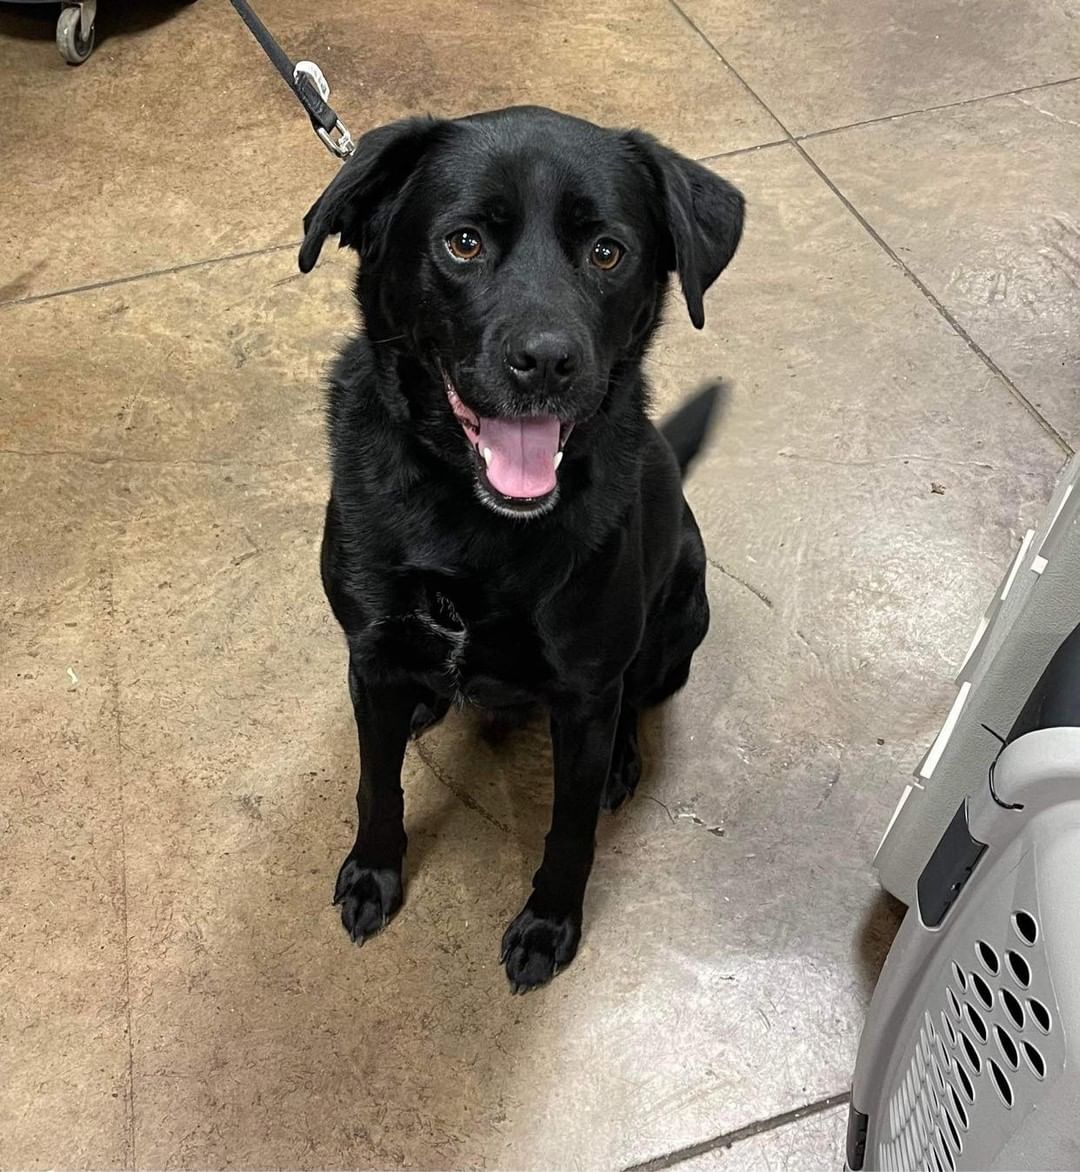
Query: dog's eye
x=606, y=254
x=465, y=244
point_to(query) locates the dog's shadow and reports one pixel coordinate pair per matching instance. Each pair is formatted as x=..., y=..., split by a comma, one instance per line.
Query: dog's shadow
x=504, y=775
x=501, y=773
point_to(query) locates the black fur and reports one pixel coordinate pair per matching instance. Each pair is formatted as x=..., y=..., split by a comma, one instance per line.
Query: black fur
x=590, y=601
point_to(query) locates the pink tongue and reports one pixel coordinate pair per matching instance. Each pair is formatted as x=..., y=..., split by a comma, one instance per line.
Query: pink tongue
x=523, y=454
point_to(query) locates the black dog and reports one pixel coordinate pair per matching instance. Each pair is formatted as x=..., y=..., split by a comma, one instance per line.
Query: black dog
x=505, y=525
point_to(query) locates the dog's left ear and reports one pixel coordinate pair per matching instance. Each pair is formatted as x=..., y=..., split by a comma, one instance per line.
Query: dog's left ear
x=703, y=214
x=368, y=180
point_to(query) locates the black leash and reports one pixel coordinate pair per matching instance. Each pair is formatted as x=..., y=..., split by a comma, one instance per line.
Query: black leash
x=306, y=80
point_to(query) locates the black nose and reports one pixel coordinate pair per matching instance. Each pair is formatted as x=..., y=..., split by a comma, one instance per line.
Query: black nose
x=546, y=360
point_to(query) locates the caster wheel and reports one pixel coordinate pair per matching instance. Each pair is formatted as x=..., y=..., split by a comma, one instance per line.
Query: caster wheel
x=73, y=47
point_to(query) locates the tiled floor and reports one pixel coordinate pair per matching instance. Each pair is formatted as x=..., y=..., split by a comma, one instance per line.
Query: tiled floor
x=176, y=745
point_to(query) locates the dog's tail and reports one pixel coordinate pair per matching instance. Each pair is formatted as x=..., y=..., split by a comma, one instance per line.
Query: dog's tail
x=687, y=428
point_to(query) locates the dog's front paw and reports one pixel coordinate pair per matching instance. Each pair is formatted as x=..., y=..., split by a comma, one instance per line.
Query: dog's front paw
x=368, y=896
x=535, y=947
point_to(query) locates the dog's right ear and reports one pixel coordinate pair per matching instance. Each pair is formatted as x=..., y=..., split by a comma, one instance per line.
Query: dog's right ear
x=703, y=214
x=373, y=174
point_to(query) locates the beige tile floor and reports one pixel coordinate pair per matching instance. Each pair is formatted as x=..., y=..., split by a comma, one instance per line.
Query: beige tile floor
x=176, y=745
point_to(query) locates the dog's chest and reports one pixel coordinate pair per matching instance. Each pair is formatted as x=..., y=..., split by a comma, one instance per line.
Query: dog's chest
x=441, y=619
x=476, y=651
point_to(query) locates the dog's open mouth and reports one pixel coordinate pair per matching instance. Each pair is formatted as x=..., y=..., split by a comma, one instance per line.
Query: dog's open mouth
x=517, y=458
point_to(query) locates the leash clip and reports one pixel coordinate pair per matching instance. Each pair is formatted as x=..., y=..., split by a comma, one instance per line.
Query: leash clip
x=305, y=79
x=342, y=145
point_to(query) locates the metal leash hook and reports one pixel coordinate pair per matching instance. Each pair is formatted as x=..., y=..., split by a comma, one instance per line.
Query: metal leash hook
x=307, y=82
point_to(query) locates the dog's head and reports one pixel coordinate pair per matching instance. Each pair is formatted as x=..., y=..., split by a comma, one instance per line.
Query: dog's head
x=520, y=257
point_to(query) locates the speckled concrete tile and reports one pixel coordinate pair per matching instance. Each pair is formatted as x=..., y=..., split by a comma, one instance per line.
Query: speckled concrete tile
x=836, y=63
x=64, y=1092
x=214, y=363
x=262, y=1037
x=859, y=500
x=634, y=62
x=185, y=178
x=853, y=402
x=982, y=203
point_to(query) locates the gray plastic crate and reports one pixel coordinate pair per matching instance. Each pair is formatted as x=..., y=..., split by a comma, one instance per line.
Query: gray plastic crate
x=970, y=1058
x=1031, y=612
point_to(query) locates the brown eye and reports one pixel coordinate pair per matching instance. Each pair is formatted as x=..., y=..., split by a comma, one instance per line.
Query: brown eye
x=606, y=254
x=465, y=244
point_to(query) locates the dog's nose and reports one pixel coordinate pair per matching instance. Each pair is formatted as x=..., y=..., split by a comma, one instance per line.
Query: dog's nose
x=546, y=360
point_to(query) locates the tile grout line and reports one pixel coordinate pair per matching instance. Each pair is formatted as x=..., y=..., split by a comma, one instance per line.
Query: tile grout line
x=924, y=289
x=465, y=798
x=874, y=235
x=1024, y=89
x=225, y=258
x=748, y=1131
x=103, y=459
x=747, y=150
x=128, y=279
x=206, y=261
x=185, y=266
x=792, y=139
x=129, y=1161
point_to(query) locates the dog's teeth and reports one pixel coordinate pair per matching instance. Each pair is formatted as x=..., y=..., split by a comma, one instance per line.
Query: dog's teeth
x=558, y=459
x=487, y=457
